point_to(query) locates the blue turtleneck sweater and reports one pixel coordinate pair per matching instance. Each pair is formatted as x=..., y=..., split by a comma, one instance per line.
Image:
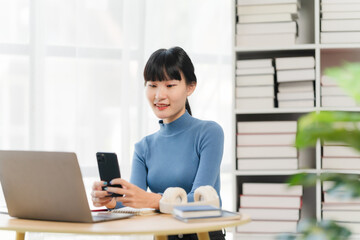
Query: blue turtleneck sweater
x=185, y=153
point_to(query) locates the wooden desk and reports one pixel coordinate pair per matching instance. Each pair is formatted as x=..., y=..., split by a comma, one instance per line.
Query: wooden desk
x=159, y=225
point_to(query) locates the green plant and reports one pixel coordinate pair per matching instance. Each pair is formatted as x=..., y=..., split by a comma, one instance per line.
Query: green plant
x=331, y=126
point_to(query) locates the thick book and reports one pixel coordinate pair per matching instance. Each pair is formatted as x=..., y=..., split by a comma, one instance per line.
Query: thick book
x=335, y=198
x=254, y=103
x=295, y=75
x=290, y=87
x=263, y=18
x=255, y=80
x=271, y=189
x=296, y=95
x=341, y=215
x=257, y=91
x=341, y=163
x=340, y=25
x=327, y=81
x=285, y=63
x=255, y=71
x=135, y=211
x=264, y=28
x=264, y=2
x=332, y=91
x=266, y=139
x=340, y=151
x=270, y=8
x=340, y=7
x=225, y=216
x=196, y=211
x=340, y=15
x=296, y=103
x=268, y=227
x=266, y=152
x=340, y=206
x=340, y=37
x=337, y=101
x=267, y=164
x=265, y=201
x=272, y=214
x=272, y=40
x=254, y=63
x=267, y=127
x=339, y=1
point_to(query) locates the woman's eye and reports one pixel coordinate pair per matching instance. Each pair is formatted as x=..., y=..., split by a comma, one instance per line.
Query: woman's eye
x=171, y=85
x=151, y=85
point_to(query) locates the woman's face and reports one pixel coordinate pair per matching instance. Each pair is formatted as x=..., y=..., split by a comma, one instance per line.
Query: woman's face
x=167, y=98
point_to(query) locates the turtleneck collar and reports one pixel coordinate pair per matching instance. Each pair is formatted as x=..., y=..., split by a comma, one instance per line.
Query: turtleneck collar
x=177, y=126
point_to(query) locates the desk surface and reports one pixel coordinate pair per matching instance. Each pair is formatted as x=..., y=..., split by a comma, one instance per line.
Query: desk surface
x=159, y=224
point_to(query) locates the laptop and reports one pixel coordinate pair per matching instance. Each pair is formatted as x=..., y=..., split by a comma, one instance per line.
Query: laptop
x=47, y=186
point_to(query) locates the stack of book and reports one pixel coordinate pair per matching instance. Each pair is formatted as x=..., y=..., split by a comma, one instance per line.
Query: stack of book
x=334, y=96
x=338, y=207
x=266, y=145
x=267, y=22
x=272, y=207
x=340, y=157
x=295, y=78
x=340, y=21
x=254, y=84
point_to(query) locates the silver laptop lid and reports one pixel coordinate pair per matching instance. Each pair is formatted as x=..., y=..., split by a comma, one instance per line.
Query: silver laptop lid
x=44, y=185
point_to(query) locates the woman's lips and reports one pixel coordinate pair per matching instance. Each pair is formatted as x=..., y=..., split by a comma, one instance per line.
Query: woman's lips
x=162, y=106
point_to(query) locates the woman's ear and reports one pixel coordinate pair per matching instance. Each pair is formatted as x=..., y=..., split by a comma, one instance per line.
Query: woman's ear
x=190, y=88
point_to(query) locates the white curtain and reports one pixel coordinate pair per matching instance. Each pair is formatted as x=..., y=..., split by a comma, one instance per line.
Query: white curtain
x=71, y=72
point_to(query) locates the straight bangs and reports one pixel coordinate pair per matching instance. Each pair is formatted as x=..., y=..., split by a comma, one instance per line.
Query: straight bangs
x=162, y=66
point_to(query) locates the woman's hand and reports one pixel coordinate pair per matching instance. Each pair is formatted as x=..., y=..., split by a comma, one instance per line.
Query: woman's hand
x=133, y=196
x=101, y=198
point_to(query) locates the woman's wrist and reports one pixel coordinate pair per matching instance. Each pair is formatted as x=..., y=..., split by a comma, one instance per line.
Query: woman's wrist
x=155, y=199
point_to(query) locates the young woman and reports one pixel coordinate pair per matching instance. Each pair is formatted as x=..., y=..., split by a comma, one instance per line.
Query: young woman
x=186, y=152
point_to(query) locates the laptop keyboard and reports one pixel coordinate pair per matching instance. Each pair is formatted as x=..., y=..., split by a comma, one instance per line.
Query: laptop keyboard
x=101, y=216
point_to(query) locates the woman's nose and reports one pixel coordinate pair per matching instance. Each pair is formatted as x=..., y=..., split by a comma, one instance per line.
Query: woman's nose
x=160, y=93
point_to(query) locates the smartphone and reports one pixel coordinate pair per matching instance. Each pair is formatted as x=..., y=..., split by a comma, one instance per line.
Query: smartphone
x=108, y=169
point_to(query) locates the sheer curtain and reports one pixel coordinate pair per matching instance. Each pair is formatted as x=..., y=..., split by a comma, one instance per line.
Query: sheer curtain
x=71, y=73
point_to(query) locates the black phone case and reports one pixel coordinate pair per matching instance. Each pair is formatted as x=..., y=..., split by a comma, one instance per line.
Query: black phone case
x=108, y=169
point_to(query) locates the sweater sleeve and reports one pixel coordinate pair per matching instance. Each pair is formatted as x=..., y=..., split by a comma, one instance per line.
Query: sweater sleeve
x=210, y=148
x=139, y=169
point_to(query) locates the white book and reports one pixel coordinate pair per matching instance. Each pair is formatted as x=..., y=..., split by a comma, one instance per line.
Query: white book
x=340, y=37
x=267, y=127
x=341, y=215
x=341, y=163
x=264, y=9
x=340, y=15
x=258, y=91
x=262, y=28
x=263, y=201
x=264, y=2
x=338, y=1
x=266, y=139
x=328, y=81
x=266, y=152
x=268, y=227
x=296, y=96
x=254, y=103
x=289, y=87
x=340, y=206
x=331, y=198
x=263, y=18
x=271, y=214
x=340, y=7
x=332, y=91
x=255, y=80
x=268, y=164
x=295, y=75
x=249, y=188
x=354, y=227
x=337, y=101
x=295, y=103
x=340, y=25
x=272, y=40
x=340, y=151
x=254, y=63
x=255, y=71
x=284, y=63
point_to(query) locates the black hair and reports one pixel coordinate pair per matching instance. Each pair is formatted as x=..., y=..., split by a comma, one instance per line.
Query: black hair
x=168, y=64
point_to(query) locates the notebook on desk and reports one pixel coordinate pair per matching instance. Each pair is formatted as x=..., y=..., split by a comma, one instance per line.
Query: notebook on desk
x=47, y=186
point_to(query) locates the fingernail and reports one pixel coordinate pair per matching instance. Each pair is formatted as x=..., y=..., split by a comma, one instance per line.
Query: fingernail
x=110, y=182
x=105, y=188
x=110, y=193
x=105, y=183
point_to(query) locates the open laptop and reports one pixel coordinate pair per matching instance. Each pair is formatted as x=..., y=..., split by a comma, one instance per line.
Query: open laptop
x=47, y=186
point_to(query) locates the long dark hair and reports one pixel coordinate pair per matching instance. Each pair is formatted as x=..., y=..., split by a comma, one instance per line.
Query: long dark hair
x=166, y=64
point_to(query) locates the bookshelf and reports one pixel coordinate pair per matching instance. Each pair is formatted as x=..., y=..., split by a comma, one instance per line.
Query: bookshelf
x=308, y=43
